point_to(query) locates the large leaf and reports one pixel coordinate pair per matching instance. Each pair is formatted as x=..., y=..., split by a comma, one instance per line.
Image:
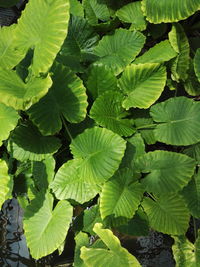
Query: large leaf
x=186, y=254
x=27, y=143
x=79, y=44
x=169, y=11
x=45, y=227
x=66, y=98
x=119, y=49
x=167, y=171
x=121, y=195
x=191, y=194
x=19, y=95
x=178, y=120
x=10, y=56
x=108, y=112
x=180, y=44
x=132, y=13
x=115, y=255
x=6, y=183
x=197, y=64
x=69, y=184
x=43, y=26
x=9, y=119
x=100, y=152
x=168, y=214
x=96, y=10
x=81, y=240
x=100, y=79
x=142, y=84
x=159, y=53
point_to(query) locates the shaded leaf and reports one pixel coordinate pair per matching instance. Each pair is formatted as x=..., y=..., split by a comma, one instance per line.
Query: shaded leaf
x=197, y=63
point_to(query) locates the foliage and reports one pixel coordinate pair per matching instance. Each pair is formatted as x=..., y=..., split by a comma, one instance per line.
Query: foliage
x=100, y=115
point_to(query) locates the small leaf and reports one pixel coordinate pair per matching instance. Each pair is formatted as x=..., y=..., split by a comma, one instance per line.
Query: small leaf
x=197, y=63
x=6, y=183
x=46, y=228
x=168, y=214
x=76, y=8
x=91, y=216
x=118, y=50
x=142, y=84
x=81, y=240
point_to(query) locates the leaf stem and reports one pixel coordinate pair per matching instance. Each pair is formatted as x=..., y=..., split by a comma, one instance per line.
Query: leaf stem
x=66, y=128
x=146, y=126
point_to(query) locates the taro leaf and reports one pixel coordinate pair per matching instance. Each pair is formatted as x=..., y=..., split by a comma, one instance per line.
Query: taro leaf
x=145, y=126
x=46, y=228
x=67, y=98
x=27, y=143
x=178, y=120
x=100, y=152
x=19, y=95
x=142, y=84
x=121, y=195
x=8, y=118
x=8, y=3
x=96, y=10
x=43, y=172
x=79, y=44
x=159, y=53
x=100, y=80
x=192, y=85
x=6, y=183
x=81, y=240
x=137, y=226
x=91, y=216
x=166, y=171
x=69, y=184
x=197, y=63
x=186, y=254
x=193, y=152
x=180, y=44
x=10, y=55
x=76, y=8
x=132, y=13
x=169, y=11
x=43, y=26
x=115, y=255
x=191, y=194
x=108, y=112
x=119, y=49
x=168, y=214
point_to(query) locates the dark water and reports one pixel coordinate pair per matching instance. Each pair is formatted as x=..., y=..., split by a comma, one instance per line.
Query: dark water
x=152, y=251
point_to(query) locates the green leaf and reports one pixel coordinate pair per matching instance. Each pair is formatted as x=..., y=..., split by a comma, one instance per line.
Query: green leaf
x=137, y=226
x=197, y=63
x=96, y=10
x=192, y=85
x=186, y=254
x=168, y=214
x=178, y=120
x=69, y=183
x=9, y=118
x=100, y=80
x=6, y=183
x=19, y=95
x=166, y=171
x=193, y=152
x=10, y=55
x=118, y=50
x=45, y=227
x=142, y=84
x=191, y=194
x=132, y=13
x=108, y=112
x=43, y=26
x=159, y=53
x=180, y=44
x=81, y=240
x=66, y=98
x=79, y=44
x=121, y=195
x=99, y=156
x=115, y=256
x=91, y=216
x=76, y=8
x=27, y=143
x=169, y=11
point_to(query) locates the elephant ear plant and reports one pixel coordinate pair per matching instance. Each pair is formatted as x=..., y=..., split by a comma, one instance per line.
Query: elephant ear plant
x=100, y=123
